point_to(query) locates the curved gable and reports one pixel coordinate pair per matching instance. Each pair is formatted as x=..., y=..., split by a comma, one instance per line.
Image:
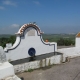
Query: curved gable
x=25, y=26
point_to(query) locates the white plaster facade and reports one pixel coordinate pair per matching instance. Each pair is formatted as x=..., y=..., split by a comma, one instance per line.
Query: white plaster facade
x=7, y=72
x=70, y=52
x=77, y=40
x=77, y=44
x=26, y=40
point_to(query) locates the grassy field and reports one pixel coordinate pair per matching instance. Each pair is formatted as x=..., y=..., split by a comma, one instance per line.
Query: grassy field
x=55, y=37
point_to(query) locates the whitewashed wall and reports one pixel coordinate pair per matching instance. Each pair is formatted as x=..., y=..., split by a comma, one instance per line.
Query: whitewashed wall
x=77, y=43
x=26, y=43
x=70, y=52
x=6, y=70
x=57, y=59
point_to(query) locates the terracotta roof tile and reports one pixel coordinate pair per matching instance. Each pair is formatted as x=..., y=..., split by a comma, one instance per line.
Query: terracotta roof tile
x=78, y=35
x=25, y=26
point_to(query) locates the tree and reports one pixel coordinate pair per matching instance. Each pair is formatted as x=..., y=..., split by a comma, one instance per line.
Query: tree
x=60, y=42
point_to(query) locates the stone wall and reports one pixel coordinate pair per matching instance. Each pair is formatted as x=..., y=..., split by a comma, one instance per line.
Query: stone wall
x=57, y=59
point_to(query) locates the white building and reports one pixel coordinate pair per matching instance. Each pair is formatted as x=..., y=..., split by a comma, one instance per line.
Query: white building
x=28, y=43
x=77, y=43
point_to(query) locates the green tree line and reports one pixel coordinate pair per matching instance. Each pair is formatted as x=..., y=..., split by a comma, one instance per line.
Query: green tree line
x=65, y=42
x=4, y=40
x=60, y=41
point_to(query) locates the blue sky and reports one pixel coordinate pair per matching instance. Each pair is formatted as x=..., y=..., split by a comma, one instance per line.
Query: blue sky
x=52, y=16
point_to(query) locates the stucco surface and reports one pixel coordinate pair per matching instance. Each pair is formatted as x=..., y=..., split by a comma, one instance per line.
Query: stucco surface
x=6, y=69
x=77, y=43
x=27, y=42
x=70, y=52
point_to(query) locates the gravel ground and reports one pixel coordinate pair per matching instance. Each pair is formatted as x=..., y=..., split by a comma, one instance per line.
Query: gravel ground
x=65, y=71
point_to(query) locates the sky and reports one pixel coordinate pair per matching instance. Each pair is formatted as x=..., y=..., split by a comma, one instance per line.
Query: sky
x=52, y=16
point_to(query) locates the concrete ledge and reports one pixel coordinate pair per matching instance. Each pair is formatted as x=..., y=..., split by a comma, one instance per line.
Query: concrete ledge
x=56, y=59
x=70, y=52
x=6, y=69
x=12, y=78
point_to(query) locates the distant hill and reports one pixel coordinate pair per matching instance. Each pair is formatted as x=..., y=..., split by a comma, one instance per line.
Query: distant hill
x=50, y=37
x=5, y=35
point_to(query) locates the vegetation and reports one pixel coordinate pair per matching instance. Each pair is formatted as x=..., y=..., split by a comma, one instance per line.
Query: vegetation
x=30, y=70
x=61, y=39
x=65, y=42
x=9, y=39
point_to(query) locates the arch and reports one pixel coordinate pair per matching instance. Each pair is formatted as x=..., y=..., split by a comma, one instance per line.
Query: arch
x=25, y=26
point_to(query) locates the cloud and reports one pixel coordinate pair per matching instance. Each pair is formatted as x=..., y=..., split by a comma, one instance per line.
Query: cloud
x=36, y=2
x=9, y=2
x=12, y=29
x=15, y=25
x=8, y=30
x=1, y=8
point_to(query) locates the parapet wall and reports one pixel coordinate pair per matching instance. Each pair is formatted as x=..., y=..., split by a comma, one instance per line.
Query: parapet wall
x=77, y=43
x=70, y=52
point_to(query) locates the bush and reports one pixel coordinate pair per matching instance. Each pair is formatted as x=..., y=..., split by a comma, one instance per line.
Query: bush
x=66, y=42
x=3, y=40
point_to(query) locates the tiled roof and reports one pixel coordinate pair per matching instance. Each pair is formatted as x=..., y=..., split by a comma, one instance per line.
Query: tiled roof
x=78, y=35
x=25, y=26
